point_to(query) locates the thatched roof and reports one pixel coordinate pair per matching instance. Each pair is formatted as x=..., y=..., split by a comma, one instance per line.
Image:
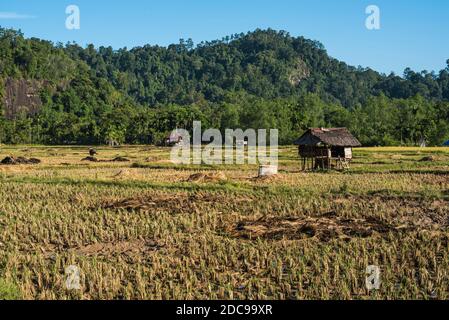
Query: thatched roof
x=338, y=137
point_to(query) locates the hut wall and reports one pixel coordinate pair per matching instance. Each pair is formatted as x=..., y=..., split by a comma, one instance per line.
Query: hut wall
x=313, y=151
x=348, y=153
x=338, y=152
x=342, y=152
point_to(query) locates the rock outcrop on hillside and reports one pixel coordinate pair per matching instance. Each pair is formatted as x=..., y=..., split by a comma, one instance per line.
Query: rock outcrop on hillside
x=21, y=96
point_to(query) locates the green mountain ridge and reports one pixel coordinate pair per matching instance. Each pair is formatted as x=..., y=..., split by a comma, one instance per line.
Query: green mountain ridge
x=62, y=94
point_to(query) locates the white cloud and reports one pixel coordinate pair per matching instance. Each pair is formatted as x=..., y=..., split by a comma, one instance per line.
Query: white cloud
x=15, y=15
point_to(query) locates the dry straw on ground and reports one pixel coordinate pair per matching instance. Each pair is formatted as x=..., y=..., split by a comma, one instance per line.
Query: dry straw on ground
x=165, y=231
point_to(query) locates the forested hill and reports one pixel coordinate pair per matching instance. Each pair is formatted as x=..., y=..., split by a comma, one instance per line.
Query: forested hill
x=263, y=79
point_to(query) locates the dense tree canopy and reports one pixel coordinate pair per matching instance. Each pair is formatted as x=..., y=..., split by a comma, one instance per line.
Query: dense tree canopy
x=262, y=79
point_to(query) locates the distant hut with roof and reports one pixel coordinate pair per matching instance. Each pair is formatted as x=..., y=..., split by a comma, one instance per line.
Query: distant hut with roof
x=173, y=138
x=326, y=148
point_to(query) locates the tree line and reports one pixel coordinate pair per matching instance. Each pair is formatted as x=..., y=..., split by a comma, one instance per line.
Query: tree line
x=262, y=79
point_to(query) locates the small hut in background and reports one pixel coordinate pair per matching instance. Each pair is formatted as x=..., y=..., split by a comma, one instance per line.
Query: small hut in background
x=173, y=138
x=321, y=148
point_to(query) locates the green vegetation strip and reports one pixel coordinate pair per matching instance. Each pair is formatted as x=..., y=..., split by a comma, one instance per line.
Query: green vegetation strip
x=234, y=187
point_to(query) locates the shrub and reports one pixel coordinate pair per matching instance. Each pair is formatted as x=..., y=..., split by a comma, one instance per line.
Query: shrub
x=9, y=291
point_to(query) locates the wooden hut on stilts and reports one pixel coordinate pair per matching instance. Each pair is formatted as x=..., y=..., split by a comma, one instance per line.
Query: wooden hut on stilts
x=326, y=148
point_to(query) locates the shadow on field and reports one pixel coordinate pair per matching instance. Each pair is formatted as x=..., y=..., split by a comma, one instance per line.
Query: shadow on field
x=325, y=228
x=181, y=203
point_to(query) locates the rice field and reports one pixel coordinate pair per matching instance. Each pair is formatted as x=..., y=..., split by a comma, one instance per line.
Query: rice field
x=145, y=228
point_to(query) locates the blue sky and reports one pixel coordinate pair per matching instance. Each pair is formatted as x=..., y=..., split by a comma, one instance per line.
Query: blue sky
x=414, y=33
